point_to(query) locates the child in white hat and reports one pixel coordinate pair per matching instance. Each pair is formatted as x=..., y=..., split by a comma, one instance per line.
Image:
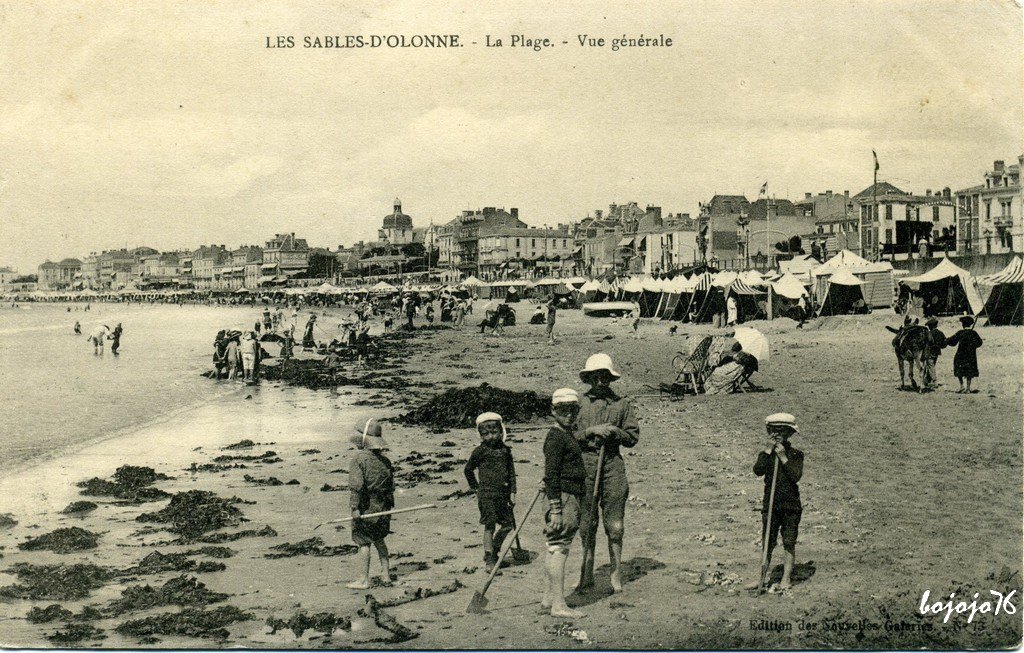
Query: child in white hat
x=371, y=481
x=496, y=488
x=786, y=507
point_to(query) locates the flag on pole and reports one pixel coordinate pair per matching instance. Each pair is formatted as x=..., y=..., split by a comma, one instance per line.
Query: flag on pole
x=876, y=160
x=764, y=190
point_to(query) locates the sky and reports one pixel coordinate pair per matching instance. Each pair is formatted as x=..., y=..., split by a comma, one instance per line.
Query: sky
x=170, y=124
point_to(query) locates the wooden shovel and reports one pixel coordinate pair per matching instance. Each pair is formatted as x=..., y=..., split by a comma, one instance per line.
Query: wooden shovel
x=378, y=514
x=479, y=601
x=766, y=533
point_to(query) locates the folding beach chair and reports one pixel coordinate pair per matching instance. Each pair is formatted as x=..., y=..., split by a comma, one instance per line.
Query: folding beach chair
x=692, y=369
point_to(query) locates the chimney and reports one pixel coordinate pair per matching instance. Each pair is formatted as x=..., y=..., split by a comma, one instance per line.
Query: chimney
x=946, y=193
x=514, y=212
x=928, y=192
x=828, y=193
x=598, y=213
x=807, y=196
x=998, y=166
x=846, y=194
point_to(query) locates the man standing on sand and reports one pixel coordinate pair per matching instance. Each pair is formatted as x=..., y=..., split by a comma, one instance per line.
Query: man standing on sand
x=606, y=421
x=552, y=307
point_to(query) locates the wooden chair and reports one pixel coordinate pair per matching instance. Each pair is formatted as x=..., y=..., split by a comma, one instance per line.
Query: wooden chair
x=692, y=369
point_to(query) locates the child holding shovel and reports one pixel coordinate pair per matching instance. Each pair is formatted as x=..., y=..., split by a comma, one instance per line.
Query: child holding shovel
x=371, y=482
x=782, y=465
x=496, y=488
x=564, y=486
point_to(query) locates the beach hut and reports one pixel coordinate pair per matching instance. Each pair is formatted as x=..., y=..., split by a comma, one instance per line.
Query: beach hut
x=784, y=294
x=946, y=289
x=650, y=296
x=383, y=288
x=799, y=266
x=843, y=294
x=1006, y=295
x=877, y=277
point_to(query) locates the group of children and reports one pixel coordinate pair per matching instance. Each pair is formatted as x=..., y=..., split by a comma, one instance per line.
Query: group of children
x=567, y=483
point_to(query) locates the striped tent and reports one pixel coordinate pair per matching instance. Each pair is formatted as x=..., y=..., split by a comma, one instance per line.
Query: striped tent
x=1004, y=304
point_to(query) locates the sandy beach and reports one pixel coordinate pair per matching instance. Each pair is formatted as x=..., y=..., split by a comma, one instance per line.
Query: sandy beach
x=887, y=472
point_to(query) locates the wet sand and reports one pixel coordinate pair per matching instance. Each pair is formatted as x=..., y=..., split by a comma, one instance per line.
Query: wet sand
x=903, y=492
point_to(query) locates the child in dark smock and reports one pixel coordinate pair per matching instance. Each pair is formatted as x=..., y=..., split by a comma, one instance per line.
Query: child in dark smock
x=372, y=485
x=965, y=361
x=496, y=487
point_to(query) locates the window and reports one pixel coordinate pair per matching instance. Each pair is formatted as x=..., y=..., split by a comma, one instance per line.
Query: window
x=935, y=213
x=988, y=210
x=563, y=243
x=831, y=228
x=517, y=242
x=888, y=211
x=533, y=242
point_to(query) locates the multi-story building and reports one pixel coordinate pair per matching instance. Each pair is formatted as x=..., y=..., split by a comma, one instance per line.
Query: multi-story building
x=91, y=271
x=523, y=250
x=156, y=270
x=60, y=275
x=7, y=275
x=717, y=232
x=458, y=241
x=115, y=268
x=285, y=256
x=835, y=222
x=230, y=272
x=673, y=246
x=989, y=218
x=895, y=222
x=204, y=261
x=768, y=223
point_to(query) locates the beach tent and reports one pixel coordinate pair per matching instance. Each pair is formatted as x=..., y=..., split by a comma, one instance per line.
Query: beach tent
x=472, y=281
x=672, y=294
x=325, y=289
x=877, y=277
x=799, y=266
x=842, y=293
x=383, y=287
x=752, y=278
x=784, y=294
x=1004, y=304
x=650, y=296
x=947, y=289
x=751, y=302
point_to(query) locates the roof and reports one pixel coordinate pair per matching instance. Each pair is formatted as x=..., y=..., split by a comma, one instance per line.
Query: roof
x=726, y=204
x=881, y=188
x=947, y=269
x=844, y=277
x=758, y=210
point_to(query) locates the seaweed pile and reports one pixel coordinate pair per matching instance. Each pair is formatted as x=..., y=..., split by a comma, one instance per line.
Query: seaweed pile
x=424, y=467
x=56, y=582
x=7, y=520
x=194, y=513
x=219, y=538
x=271, y=481
x=314, y=546
x=267, y=457
x=131, y=485
x=408, y=596
x=241, y=444
x=79, y=508
x=74, y=633
x=321, y=622
x=157, y=562
x=182, y=591
x=53, y=612
x=190, y=622
x=62, y=540
x=459, y=407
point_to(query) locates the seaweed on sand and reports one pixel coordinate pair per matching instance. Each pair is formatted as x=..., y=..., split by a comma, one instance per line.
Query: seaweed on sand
x=218, y=538
x=321, y=622
x=62, y=540
x=131, y=484
x=157, y=562
x=314, y=546
x=79, y=508
x=459, y=407
x=52, y=612
x=190, y=622
x=195, y=512
x=271, y=481
x=182, y=590
x=408, y=596
x=7, y=520
x=74, y=633
x=399, y=633
x=268, y=457
x=241, y=444
x=56, y=582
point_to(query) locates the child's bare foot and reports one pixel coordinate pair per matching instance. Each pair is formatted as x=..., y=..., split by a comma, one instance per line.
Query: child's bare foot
x=752, y=585
x=565, y=611
x=361, y=584
x=785, y=584
x=616, y=581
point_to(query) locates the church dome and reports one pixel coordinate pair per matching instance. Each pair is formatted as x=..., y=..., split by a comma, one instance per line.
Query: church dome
x=397, y=219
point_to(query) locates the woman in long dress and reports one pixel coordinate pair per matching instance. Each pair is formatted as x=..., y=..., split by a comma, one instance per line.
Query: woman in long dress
x=965, y=361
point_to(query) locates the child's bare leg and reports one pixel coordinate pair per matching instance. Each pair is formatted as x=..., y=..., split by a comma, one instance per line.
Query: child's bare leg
x=489, y=552
x=555, y=565
x=615, y=557
x=787, y=566
x=385, y=560
x=499, y=538
x=362, y=565
x=766, y=571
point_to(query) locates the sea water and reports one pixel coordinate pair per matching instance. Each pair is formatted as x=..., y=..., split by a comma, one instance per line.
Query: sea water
x=56, y=394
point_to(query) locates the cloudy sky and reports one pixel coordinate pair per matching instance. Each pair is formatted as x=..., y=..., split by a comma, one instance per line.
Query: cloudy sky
x=170, y=124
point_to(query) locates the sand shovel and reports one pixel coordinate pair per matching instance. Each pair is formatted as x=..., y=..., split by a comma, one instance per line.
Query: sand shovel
x=766, y=533
x=378, y=514
x=479, y=601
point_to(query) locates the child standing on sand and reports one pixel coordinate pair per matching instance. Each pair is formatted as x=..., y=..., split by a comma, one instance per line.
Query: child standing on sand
x=965, y=361
x=564, y=486
x=786, y=507
x=372, y=485
x=496, y=488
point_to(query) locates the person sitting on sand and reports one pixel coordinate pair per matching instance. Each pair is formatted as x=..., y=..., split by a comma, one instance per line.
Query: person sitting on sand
x=786, y=507
x=371, y=481
x=565, y=486
x=496, y=489
x=965, y=360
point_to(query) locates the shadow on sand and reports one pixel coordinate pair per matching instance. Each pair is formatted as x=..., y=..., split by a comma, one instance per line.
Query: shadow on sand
x=632, y=570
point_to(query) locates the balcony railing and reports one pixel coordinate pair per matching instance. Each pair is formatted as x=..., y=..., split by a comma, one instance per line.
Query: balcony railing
x=1003, y=221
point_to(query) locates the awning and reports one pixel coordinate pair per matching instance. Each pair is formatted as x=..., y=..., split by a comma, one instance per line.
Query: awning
x=266, y=279
x=626, y=242
x=268, y=266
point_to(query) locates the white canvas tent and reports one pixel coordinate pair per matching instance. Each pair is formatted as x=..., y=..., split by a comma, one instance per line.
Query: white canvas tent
x=877, y=277
x=1005, y=302
x=842, y=291
x=952, y=283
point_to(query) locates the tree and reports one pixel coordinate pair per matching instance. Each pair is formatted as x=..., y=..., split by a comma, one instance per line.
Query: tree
x=26, y=278
x=321, y=265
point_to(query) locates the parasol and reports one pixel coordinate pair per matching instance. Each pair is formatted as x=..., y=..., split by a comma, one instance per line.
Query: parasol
x=754, y=343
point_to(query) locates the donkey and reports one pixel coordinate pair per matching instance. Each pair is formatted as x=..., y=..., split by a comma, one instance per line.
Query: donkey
x=911, y=346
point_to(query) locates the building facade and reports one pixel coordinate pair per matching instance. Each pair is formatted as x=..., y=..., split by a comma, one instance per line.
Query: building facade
x=60, y=275
x=523, y=251
x=397, y=228
x=898, y=224
x=989, y=217
x=458, y=241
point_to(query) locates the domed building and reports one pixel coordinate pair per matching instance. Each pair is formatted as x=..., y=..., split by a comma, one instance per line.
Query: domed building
x=397, y=228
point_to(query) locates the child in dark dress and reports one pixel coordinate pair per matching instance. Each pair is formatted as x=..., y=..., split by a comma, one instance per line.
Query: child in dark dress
x=496, y=487
x=965, y=361
x=371, y=480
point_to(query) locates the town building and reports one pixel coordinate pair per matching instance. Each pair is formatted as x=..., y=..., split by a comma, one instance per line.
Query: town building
x=673, y=246
x=60, y=275
x=895, y=222
x=769, y=228
x=834, y=223
x=156, y=270
x=7, y=275
x=397, y=228
x=717, y=233
x=284, y=257
x=524, y=252
x=229, y=273
x=115, y=268
x=204, y=261
x=989, y=218
x=458, y=241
